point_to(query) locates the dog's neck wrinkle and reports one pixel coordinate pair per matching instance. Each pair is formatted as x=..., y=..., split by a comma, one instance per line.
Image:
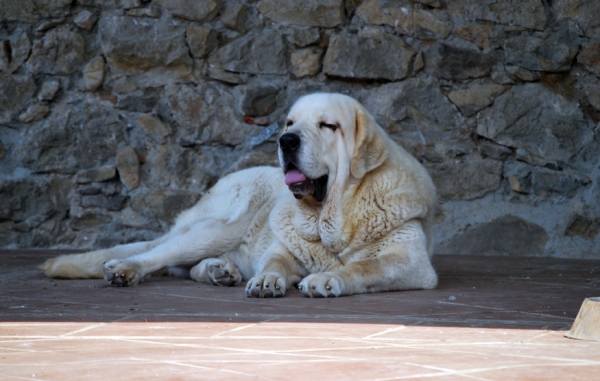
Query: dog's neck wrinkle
x=331, y=219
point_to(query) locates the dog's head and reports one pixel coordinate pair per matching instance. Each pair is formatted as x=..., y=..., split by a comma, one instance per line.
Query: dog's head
x=327, y=139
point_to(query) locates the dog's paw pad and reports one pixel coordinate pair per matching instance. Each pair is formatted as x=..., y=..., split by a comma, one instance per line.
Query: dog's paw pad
x=266, y=286
x=322, y=285
x=120, y=273
x=224, y=274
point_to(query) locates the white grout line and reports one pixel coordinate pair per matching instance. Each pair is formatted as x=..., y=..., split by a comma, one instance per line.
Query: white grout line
x=242, y=328
x=385, y=331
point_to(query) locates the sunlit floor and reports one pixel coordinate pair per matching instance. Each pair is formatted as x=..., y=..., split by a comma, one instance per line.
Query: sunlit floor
x=494, y=318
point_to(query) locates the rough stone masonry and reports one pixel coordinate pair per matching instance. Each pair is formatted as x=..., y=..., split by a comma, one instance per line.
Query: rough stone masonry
x=115, y=115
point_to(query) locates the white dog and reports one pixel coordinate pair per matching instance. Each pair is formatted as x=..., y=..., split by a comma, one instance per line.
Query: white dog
x=348, y=212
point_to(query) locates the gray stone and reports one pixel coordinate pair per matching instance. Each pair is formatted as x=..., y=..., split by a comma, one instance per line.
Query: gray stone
x=97, y=174
x=429, y=24
x=466, y=178
x=539, y=54
x=90, y=222
x=588, y=86
x=167, y=204
x=107, y=188
x=516, y=184
x=536, y=119
x=478, y=34
x=85, y=20
x=589, y=57
x=112, y=203
x=306, y=62
x=418, y=63
x=234, y=16
x=49, y=90
x=129, y=217
x=361, y=55
x=584, y=13
x=533, y=159
x=581, y=226
x=501, y=76
x=256, y=158
x=302, y=37
x=225, y=76
x=93, y=74
x=33, y=200
x=326, y=13
x=263, y=136
x=201, y=40
x=137, y=102
x=475, y=98
x=14, y=51
x=416, y=113
x=155, y=47
x=155, y=128
x=144, y=12
x=47, y=25
x=259, y=100
x=494, y=151
x=429, y=3
x=546, y=183
x=33, y=113
x=128, y=166
x=58, y=52
x=33, y=10
x=82, y=134
x=523, y=13
x=258, y=52
x=128, y=4
x=205, y=114
x=2, y=151
x=122, y=85
x=508, y=235
x=450, y=62
x=190, y=110
x=522, y=74
x=14, y=92
x=199, y=11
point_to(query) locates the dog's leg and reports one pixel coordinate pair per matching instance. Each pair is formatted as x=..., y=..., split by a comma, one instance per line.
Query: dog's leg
x=90, y=265
x=216, y=271
x=402, y=263
x=279, y=271
x=187, y=245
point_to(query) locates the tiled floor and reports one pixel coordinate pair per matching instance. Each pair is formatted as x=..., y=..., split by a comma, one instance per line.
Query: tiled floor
x=490, y=319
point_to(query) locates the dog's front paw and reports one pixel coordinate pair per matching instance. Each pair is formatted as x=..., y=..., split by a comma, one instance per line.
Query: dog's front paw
x=321, y=285
x=266, y=286
x=121, y=273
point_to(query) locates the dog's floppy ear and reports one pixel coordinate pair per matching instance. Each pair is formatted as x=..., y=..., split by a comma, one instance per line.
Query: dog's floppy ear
x=369, y=150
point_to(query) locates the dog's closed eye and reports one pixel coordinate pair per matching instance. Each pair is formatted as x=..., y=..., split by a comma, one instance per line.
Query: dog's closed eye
x=331, y=126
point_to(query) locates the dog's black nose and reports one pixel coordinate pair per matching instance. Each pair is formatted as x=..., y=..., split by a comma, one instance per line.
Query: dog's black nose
x=289, y=142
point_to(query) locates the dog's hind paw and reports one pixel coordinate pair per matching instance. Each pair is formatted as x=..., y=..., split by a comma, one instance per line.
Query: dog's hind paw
x=216, y=271
x=121, y=273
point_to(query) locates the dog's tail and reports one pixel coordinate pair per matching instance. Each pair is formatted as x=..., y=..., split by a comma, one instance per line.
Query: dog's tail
x=77, y=266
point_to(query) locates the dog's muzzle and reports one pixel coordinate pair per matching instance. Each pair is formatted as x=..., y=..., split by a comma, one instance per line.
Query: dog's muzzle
x=299, y=184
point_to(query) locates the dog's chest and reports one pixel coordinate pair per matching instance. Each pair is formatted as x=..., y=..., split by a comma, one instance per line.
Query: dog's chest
x=301, y=233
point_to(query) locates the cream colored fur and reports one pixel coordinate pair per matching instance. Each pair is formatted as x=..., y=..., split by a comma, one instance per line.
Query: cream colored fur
x=372, y=232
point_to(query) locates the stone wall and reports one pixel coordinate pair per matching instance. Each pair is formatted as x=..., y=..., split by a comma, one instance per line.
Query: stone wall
x=117, y=114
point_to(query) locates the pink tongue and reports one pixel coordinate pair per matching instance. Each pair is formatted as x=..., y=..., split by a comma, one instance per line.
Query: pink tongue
x=294, y=176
